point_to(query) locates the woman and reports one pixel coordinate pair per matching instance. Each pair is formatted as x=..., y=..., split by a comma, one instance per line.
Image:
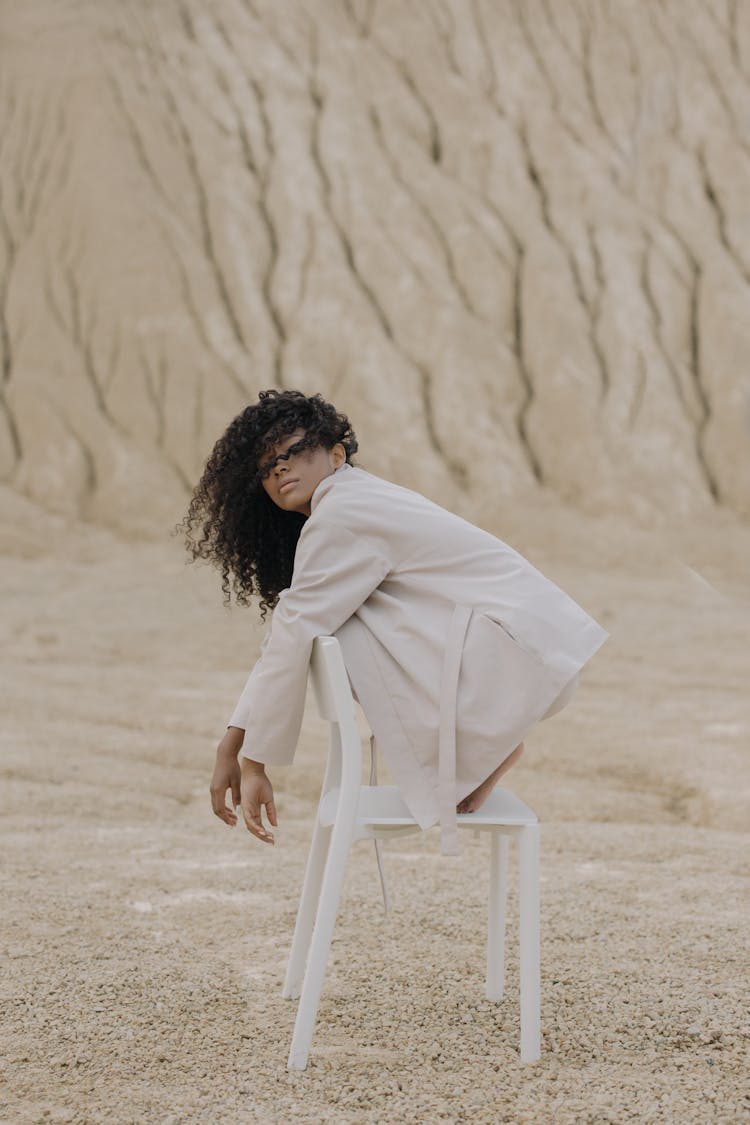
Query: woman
x=455, y=645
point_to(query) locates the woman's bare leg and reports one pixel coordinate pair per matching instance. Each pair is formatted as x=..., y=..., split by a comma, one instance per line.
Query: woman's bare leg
x=476, y=799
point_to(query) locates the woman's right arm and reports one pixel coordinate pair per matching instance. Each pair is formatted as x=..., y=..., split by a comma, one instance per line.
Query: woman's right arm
x=335, y=571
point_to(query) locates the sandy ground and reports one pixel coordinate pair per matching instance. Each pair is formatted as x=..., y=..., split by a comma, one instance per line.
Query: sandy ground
x=144, y=944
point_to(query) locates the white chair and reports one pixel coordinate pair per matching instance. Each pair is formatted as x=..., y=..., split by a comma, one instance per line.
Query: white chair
x=349, y=811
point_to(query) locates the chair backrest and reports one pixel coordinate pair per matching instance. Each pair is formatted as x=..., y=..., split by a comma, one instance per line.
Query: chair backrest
x=328, y=673
x=336, y=704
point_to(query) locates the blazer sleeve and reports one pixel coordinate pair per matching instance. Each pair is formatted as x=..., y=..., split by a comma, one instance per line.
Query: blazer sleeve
x=335, y=571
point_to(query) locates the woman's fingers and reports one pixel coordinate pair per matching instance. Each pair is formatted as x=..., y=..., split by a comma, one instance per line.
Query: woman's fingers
x=256, y=791
x=217, y=800
x=226, y=777
x=253, y=822
x=221, y=809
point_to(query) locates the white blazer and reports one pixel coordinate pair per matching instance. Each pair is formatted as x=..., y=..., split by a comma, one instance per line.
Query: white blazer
x=455, y=645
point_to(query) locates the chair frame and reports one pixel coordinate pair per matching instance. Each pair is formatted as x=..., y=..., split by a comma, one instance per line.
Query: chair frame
x=349, y=811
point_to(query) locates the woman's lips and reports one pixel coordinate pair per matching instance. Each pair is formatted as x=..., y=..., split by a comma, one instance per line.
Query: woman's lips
x=287, y=484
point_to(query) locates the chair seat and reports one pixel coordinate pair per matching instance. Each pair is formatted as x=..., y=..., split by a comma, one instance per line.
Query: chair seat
x=383, y=806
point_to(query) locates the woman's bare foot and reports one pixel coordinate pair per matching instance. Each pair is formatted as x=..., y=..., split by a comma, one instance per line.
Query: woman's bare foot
x=476, y=799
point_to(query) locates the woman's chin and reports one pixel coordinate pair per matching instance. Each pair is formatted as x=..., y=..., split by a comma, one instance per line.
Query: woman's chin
x=292, y=504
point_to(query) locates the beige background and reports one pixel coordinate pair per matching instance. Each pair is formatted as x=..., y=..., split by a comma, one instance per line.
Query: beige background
x=511, y=240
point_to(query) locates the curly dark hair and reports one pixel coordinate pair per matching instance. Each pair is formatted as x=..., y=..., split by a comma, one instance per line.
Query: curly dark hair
x=232, y=522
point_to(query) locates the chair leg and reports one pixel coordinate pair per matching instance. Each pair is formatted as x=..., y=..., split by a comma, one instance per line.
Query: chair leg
x=496, y=916
x=320, y=945
x=308, y=905
x=529, y=942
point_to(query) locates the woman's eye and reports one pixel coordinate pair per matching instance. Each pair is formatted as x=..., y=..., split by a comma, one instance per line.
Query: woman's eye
x=292, y=451
x=265, y=470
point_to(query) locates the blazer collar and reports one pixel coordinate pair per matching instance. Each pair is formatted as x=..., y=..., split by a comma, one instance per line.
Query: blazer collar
x=326, y=484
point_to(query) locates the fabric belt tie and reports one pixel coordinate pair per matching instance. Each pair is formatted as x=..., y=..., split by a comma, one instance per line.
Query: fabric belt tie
x=454, y=645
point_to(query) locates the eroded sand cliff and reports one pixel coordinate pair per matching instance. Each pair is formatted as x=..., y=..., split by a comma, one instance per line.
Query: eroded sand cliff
x=514, y=235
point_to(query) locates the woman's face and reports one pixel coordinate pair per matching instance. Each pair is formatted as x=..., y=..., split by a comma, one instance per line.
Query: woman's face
x=290, y=483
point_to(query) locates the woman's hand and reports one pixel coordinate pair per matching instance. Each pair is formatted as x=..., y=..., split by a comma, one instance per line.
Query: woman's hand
x=257, y=791
x=226, y=776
